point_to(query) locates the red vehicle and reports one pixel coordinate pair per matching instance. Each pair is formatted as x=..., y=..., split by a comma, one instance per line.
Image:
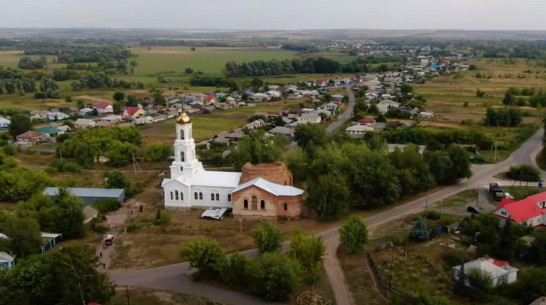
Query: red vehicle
x=109, y=240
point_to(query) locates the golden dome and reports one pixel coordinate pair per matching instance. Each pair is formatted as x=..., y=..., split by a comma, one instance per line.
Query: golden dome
x=183, y=118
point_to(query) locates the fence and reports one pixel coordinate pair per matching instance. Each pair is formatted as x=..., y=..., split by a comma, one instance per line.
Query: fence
x=385, y=286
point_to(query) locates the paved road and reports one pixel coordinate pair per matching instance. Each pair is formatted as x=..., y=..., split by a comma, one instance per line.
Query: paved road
x=174, y=277
x=346, y=115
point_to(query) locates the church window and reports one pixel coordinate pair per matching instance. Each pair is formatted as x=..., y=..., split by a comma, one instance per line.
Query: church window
x=195, y=195
x=200, y=196
x=262, y=204
x=229, y=197
x=181, y=134
x=254, y=202
x=182, y=156
x=245, y=204
x=176, y=195
x=217, y=197
x=172, y=195
x=286, y=206
x=181, y=196
x=212, y=196
x=284, y=182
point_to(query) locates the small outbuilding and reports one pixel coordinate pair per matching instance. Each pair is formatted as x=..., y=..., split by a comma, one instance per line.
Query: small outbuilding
x=89, y=195
x=6, y=261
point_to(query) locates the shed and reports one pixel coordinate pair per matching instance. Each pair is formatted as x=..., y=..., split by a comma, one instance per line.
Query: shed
x=49, y=240
x=89, y=195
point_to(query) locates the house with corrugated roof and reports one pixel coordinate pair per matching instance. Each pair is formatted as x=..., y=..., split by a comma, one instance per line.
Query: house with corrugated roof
x=531, y=210
x=499, y=271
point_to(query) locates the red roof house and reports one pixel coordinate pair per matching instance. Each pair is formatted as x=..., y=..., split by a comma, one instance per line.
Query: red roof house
x=104, y=108
x=366, y=121
x=531, y=210
x=133, y=112
x=210, y=99
x=31, y=137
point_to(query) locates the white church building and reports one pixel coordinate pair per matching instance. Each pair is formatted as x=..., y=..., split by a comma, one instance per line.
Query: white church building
x=190, y=185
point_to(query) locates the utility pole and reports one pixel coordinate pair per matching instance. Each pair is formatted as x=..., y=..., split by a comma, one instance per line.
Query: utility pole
x=128, y=302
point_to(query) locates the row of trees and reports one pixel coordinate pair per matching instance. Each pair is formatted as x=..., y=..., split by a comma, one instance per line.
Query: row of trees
x=273, y=275
x=77, y=52
x=353, y=174
x=506, y=117
x=101, y=80
x=29, y=63
x=275, y=67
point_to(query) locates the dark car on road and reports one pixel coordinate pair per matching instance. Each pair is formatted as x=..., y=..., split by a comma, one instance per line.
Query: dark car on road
x=473, y=210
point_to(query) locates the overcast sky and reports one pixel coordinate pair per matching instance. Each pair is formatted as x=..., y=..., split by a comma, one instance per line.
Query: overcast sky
x=277, y=14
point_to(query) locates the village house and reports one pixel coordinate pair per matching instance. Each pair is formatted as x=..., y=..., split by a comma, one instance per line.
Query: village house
x=531, y=210
x=259, y=97
x=358, y=131
x=4, y=123
x=366, y=121
x=133, y=112
x=425, y=115
x=84, y=123
x=31, y=138
x=498, y=270
x=6, y=261
x=143, y=120
x=50, y=131
x=309, y=118
x=209, y=99
x=104, y=108
x=86, y=111
x=57, y=116
x=281, y=130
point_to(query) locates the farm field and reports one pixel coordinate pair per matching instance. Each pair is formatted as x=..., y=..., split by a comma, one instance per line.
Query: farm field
x=210, y=61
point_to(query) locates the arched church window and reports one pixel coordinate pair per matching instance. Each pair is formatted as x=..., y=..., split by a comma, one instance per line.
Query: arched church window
x=172, y=195
x=200, y=196
x=181, y=134
x=212, y=196
x=217, y=197
x=182, y=156
x=195, y=195
x=176, y=195
x=229, y=197
x=254, y=201
x=245, y=203
x=262, y=204
x=181, y=196
x=286, y=206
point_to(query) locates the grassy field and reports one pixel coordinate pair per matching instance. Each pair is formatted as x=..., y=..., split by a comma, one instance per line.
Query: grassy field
x=446, y=96
x=208, y=60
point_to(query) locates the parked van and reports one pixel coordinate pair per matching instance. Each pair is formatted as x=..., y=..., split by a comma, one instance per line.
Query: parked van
x=108, y=240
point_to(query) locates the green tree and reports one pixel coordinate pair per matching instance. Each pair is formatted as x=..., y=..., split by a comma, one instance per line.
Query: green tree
x=274, y=276
x=311, y=135
x=206, y=255
x=19, y=184
x=328, y=196
x=158, y=151
x=419, y=231
x=353, y=234
x=530, y=285
x=297, y=162
x=67, y=276
x=523, y=172
x=309, y=251
x=268, y=237
x=118, y=96
x=188, y=71
x=60, y=214
x=256, y=148
x=24, y=235
x=116, y=180
x=19, y=123
x=235, y=271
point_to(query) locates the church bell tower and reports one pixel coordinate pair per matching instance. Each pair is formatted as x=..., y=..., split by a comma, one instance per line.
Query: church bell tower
x=185, y=161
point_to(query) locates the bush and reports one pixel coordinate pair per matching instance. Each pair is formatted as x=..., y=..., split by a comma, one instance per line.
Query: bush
x=107, y=205
x=433, y=215
x=523, y=172
x=455, y=257
x=10, y=150
x=162, y=217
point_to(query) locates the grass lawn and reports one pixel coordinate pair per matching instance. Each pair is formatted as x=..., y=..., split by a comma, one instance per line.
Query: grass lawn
x=143, y=296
